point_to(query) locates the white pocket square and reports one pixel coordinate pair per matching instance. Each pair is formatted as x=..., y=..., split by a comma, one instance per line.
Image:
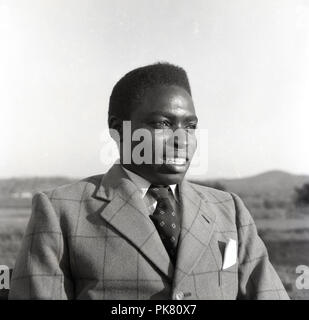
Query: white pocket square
x=230, y=254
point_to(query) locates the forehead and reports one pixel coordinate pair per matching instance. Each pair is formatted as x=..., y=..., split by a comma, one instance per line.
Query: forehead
x=165, y=99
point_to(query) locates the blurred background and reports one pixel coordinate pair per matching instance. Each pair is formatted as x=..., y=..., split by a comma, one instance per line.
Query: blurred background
x=248, y=64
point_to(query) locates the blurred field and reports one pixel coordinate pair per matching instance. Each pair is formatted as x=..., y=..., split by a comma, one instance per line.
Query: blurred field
x=288, y=249
x=283, y=227
x=12, y=227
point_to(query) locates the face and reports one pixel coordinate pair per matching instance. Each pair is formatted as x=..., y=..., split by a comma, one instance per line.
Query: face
x=168, y=113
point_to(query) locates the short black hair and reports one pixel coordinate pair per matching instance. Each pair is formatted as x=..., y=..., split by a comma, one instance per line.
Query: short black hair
x=130, y=88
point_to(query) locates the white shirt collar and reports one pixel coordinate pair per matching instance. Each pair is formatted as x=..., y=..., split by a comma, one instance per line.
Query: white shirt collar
x=141, y=183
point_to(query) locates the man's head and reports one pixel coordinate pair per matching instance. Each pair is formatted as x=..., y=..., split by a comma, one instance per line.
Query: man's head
x=156, y=98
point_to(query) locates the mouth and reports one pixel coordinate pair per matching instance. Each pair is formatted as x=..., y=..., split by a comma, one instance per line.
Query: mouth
x=176, y=161
x=176, y=165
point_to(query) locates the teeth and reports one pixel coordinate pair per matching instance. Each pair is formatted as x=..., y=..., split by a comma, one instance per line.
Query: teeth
x=178, y=161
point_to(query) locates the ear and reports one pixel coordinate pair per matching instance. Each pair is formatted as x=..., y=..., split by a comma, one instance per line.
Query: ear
x=115, y=126
x=115, y=123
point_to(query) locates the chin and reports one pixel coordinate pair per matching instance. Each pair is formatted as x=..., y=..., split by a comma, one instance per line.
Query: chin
x=168, y=178
x=161, y=175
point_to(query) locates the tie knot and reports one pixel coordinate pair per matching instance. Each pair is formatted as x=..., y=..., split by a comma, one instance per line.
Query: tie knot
x=159, y=192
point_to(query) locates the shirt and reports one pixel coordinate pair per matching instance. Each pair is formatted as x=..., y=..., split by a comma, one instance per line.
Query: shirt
x=143, y=185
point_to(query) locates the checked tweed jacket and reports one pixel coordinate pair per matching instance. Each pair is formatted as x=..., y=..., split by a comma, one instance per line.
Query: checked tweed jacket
x=93, y=239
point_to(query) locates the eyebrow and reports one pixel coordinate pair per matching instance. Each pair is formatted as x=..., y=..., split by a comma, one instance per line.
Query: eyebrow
x=171, y=115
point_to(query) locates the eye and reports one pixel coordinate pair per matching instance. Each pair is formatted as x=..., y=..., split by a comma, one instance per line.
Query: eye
x=161, y=124
x=192, y=126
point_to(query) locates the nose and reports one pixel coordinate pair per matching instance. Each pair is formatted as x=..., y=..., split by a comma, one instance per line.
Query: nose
x=178, y=139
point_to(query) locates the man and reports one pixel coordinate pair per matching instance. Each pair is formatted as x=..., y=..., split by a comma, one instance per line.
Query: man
x=142, y=231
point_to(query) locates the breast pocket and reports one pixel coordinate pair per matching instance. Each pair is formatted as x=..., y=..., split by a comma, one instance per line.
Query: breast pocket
x=216, y=275
x=228, y=273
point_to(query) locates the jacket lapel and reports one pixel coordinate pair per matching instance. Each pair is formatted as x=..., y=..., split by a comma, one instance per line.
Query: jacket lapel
x=198, y=222
x=128, y=214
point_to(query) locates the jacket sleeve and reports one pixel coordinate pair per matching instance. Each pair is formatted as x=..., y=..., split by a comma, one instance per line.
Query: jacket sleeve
x=41, y=270
x=257, y=277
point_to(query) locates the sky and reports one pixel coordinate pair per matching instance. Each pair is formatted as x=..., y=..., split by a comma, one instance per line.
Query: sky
x=247, y=61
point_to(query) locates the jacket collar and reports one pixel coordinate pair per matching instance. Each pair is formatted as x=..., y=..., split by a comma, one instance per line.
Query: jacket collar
x=126, y=211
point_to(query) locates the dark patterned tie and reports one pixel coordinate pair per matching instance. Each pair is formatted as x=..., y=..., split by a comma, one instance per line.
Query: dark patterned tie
x=166, y=219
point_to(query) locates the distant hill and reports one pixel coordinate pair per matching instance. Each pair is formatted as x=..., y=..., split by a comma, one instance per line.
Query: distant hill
x=267, y=190
x=272, y=184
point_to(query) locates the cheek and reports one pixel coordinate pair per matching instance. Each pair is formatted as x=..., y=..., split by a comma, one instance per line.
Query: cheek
x=161, y=140
x=192, y=144
x=158, y=143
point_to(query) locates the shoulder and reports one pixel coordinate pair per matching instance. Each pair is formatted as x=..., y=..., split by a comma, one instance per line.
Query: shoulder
x=211, y=195
x=76, y=191
x=227, y=206
x=58, y=209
